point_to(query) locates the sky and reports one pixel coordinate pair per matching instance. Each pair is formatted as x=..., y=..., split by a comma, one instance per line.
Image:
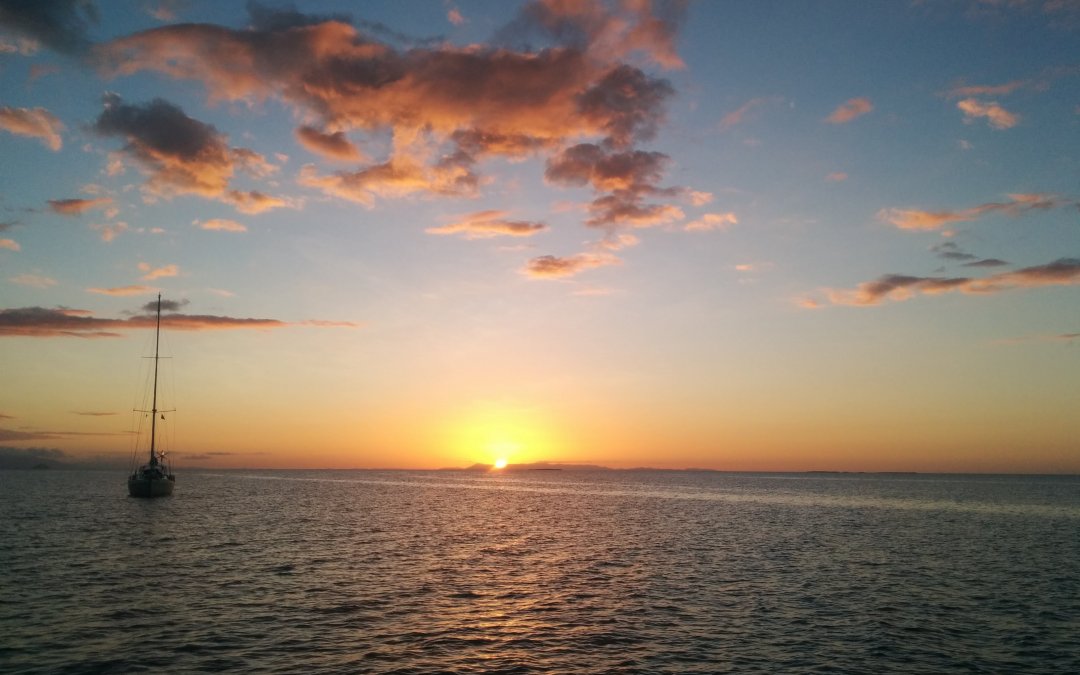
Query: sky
x=764, y=236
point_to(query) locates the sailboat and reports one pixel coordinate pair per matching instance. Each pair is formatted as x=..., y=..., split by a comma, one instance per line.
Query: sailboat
x=155, y=478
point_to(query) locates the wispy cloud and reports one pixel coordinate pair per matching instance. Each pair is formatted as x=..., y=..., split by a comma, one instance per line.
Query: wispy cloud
x=63, y=322
x=10, y=245
x=74, y=207
x=850, y=110
x=150, y=272
x=740, y=114
x=487, y=224
x=221, y=224
x=836, y=177
x=554, y=267
x=34, y=280
x=996, y=116
x=712, y=221
x=1017, y=205
x=967, y=91
x=898, y=287
x=35, y=123
x=123, y=290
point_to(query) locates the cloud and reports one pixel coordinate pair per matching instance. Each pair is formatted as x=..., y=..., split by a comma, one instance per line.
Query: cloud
x=446, y=108
x=36, y=123
x=711, y=221
x=10, y=244
x=553, y=267
x=222, y=224
x=851, y=109
x=739, y=115
x=624, y=180
x=1018, y=204
x=898, y=287
x=487, y=224
x=836, y=177
x=63, y=322
x=181, y=155
x=91, y=413
x=453, y=15
x=110, y=231
x=996, y=116
x=61, y=25
x=74, y=207
x=967, y=91
x=123, y=290
x=33, y=280
x=334, y=146
x=150, y=273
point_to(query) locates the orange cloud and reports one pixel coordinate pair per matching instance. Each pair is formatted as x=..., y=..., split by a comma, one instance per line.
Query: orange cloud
x=74, y=207
x=553, y=267
x=998, y=117
x=836, y=177
x=856, y=107
x=711, y=221
x=10, y=244
x=181, y=155
x=35, y=123
x=898, y=287
x=222, y=224
x=1018, y=204
x=334, y=146
x=446, y=107
x=453, y=15
x=151, y=273
x=737, y=116
x=487, y=224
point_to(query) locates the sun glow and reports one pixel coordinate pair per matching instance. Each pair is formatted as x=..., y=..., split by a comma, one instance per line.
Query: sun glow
x=500, y=463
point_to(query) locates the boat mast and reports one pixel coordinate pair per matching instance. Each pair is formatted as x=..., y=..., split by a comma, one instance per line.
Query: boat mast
x=153, y=408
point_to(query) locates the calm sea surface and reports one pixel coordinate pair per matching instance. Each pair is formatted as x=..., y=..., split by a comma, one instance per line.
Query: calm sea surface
x=540, y=572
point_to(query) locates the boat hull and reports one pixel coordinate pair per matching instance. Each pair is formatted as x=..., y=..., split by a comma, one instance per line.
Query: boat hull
x=149, y=487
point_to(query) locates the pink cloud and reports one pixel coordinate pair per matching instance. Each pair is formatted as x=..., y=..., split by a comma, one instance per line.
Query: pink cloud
x=712, y=221
x=487, y=224
x=10, y=244
x=150, y=273
x=553, y=267
x=74, y=207
x=1018, y=204
x=899, y=287
x=849, y=110
x=221, y=224
x=335, y=146
x=996, y=116
x=35, y=123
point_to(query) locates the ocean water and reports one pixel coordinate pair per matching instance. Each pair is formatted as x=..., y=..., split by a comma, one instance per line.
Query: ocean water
x=540, y=572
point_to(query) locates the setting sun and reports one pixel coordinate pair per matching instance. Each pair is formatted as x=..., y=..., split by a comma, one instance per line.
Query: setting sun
x=500, y=463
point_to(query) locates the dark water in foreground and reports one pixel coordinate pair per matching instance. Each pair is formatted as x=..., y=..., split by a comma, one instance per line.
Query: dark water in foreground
x=538, y=572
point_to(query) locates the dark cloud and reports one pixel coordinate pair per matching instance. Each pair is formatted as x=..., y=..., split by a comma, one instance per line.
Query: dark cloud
x=180, y=154
x=166, y=306
x=554, y=267
x=61, y=25
x=1062, y=272
x=332, y=146
x=987, y=262
x=63, y=322
x=950, y=250
x=74, y=207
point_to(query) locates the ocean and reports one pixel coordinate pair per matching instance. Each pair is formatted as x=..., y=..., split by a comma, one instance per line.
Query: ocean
x=540, y=572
